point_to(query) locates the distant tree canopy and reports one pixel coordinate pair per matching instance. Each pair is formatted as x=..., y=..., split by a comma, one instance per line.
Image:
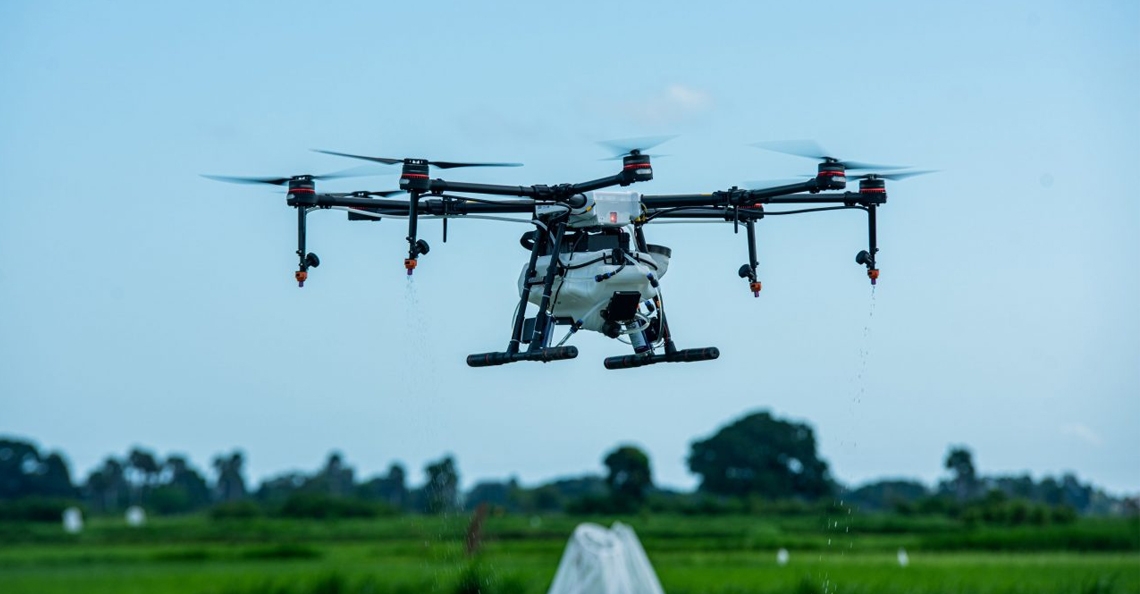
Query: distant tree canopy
x=25, y=472
x=960, y=462
x=392, y=488
x=142, y=478
x=756, y=464
x=231, y=484
x=887, y=495
x=442, y=489
x=764, y=456
x=629, y=477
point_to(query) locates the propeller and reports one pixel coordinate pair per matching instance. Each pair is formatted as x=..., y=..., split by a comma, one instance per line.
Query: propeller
x=439, y=164
x=812, y=150
x=895, y=176
x=280, y=181
x=775, y=183
x=634, y=146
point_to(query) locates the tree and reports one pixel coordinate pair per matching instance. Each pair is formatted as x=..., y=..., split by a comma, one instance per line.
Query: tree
x=334, y=479
x=231, y=485
x=142, y=473
x=107, y=488
x=442, y=488
x=761, y=455
x=54, y=478
x=391, y=489
x=181, y=488
x=887, y=495
x=278, y=489
x=960, y=462
x=24, y=472
x=629, y=476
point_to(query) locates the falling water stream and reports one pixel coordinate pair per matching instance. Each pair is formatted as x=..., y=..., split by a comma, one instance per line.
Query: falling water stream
x=421, y=384
x=844, y=512
x=865, y=351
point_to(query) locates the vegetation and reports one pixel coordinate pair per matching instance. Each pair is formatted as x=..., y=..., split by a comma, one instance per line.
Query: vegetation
x=762, y=455
x=763, y=488
x=830, y=551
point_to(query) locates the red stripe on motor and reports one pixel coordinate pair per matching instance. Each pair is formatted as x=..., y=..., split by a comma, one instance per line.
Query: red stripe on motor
x=300, y=190
x=424, y=175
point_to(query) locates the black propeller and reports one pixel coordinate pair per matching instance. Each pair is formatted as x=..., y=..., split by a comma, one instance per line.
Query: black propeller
x=895, y=176
x=812, y=150
x=280, y=181
x=634, y=146
x=773, y=183
x=439, y=164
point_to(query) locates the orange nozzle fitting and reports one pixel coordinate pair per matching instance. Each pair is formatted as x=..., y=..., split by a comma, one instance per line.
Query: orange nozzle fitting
x=410, y=264
x=301, y=277
x=755, y=286
x=873, y=274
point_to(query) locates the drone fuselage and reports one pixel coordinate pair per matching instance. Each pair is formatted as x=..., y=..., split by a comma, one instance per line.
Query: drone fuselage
x=587, y=280
x=599, y=260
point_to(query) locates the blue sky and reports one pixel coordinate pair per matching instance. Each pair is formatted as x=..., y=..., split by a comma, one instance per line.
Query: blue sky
x=145, y=305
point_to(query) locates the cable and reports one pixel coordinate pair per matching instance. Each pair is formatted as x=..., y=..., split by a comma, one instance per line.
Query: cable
x=650, y=218
x=787, y=212
x=565, y=266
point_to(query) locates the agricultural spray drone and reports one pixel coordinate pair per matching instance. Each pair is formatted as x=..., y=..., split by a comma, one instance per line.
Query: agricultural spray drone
x=591, y=267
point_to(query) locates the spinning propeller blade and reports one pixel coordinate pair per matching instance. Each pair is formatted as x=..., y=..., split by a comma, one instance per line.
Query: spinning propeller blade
x=280, y=181
x=439, y=164
x=895, y=176
x=628, y=146
x=812, y=150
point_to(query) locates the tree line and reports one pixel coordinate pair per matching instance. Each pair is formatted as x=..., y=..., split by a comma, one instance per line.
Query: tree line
x=755, y=463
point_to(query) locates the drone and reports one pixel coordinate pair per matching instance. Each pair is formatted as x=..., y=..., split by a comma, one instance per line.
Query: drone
x=591, y=266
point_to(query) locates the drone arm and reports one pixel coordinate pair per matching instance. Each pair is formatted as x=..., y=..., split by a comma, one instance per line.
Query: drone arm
x=461, y=206
x=620, y=179
x=568, y=194
x=845, y=198
x=439, y=186
x=732, y=197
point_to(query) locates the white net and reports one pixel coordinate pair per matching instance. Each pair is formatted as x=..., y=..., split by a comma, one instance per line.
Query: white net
x=605, y=561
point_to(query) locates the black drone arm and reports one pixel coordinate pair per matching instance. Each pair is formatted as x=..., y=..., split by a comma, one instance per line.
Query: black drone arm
x=747, y=207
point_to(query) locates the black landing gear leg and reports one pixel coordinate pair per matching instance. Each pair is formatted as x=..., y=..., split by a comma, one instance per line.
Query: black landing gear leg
x=539, y=349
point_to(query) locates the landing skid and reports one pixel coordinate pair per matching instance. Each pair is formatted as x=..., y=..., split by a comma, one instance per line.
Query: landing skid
x=624, y=362
x=545, y=355
x=683, y=356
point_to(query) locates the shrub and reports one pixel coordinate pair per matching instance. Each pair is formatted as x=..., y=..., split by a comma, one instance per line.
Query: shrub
x=34, y=509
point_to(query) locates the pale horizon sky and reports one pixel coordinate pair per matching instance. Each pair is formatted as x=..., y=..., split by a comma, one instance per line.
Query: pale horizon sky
x=145, y=305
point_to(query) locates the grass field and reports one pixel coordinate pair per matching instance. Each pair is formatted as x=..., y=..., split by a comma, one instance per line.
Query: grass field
x=722, y=555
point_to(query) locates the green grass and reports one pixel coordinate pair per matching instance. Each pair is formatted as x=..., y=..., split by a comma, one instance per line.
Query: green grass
x=717, y=555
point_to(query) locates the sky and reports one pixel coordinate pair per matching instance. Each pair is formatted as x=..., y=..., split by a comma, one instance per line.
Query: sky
x=144, y=305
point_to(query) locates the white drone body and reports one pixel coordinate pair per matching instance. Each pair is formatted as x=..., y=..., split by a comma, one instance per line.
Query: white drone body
x=579, y=295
